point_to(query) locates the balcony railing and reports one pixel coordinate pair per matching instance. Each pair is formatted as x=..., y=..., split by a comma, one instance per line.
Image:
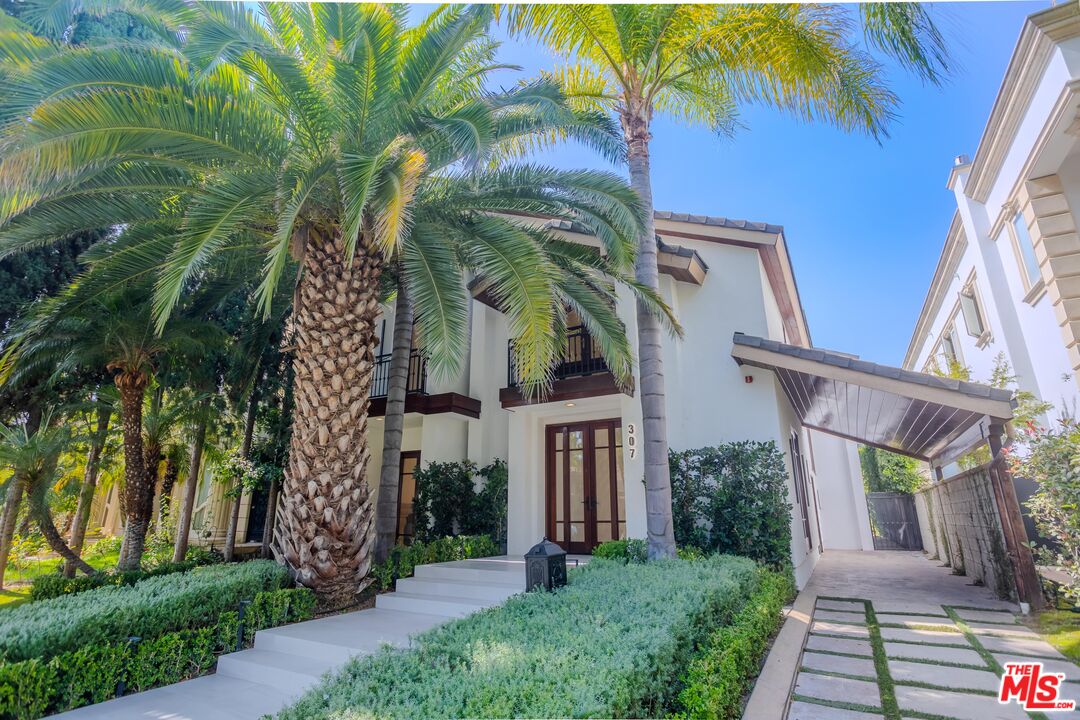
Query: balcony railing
x=417, y=380
x=580, y=358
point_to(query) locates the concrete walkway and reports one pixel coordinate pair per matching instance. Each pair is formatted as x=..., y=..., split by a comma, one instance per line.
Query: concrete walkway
x=942, y=642
x=288, y=660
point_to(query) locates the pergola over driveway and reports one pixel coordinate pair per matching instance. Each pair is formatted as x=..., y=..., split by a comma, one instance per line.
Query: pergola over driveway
x=930, y=418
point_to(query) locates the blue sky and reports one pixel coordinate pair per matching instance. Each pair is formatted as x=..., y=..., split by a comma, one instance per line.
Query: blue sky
x=865, y=223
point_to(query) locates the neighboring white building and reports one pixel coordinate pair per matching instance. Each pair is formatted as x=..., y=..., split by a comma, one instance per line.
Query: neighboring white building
x=575, y=466
x=1008, y=280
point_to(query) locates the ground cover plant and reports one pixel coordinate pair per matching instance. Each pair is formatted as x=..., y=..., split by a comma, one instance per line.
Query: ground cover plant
x=147, y=609
x=54, y=584
x=612, y=643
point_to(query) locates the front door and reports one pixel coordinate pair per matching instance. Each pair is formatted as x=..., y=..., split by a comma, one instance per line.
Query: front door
x=586, y=502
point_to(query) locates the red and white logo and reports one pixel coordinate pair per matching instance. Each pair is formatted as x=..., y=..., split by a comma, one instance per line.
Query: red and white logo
x=1032, y=688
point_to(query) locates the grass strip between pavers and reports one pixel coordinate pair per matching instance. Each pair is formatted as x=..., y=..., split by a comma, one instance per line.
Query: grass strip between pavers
x=889, y=706
x=920, y=626
x=985, y=654
x=836, y=704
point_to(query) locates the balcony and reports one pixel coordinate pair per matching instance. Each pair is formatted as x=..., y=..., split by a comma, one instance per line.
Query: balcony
x=417, y=380
x=417, y=399
x=581, y=373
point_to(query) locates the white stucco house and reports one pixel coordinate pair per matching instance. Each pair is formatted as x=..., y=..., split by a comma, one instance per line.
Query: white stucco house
x=576, y=474
x=1008, y=280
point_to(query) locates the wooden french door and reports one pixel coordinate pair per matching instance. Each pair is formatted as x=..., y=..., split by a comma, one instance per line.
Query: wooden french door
x=586, y=503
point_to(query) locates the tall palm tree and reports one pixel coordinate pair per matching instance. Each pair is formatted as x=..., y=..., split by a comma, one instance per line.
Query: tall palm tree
x=33, y=458
x=344, y=152
x=698, y=63
x=115, y=333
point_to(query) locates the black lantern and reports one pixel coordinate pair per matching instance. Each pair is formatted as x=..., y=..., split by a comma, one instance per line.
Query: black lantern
x=545, y=566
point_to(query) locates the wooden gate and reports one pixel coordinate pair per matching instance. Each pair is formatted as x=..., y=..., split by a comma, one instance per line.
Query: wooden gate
x=893, y=521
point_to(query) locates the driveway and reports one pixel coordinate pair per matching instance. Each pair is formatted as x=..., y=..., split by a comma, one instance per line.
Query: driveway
x=878, y=635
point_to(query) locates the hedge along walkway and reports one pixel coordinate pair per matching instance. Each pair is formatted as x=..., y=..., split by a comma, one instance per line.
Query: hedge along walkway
x=875, y=660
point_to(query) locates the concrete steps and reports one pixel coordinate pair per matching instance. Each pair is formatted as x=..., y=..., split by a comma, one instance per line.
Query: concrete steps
x=291, y=674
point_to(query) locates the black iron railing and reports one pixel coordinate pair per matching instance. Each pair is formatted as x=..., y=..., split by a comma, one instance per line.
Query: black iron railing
x=580, y=358
x=417, y=380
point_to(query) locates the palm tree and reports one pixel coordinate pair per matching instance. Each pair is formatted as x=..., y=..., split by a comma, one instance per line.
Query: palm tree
x=104, y=403
x=346, y=151
x=698, y=63
x=199, y=421
x=115, y=333
x=32, y=458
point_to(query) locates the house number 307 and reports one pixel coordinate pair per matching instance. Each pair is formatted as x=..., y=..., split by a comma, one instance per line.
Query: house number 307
x=631, y=440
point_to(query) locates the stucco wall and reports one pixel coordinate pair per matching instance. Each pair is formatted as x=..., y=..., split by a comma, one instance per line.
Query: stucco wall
x=845, y=523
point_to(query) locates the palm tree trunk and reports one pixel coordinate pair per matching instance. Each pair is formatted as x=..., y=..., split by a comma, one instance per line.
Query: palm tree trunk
x=245, y=452
x=325, y=526
x=40, y=510
x=168, y=482
x=131, y=386
x=386, y=513
x=7, y=523
x=661, y=534
x=183, y=527
x=89, y=485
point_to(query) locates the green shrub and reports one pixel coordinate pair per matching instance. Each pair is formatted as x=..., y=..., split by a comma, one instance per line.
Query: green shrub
x=733, y=499
x=610, y=644
x=147, y=609
x=90, y=674
x=55, y=584
x=718, y=677
x=626, y=550
x=448, y=502
x=403, y=558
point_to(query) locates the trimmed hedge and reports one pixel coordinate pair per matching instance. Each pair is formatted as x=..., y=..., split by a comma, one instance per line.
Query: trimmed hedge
x=46, y=587
x=719, y=676
x=147, y=609
x=404, y=558
x=612, y=643
x=32, y=688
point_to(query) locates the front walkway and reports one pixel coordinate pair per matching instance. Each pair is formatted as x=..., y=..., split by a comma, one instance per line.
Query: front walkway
x=892, y=634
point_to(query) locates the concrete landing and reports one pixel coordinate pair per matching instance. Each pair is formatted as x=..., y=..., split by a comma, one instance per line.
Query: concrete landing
x=288, y=660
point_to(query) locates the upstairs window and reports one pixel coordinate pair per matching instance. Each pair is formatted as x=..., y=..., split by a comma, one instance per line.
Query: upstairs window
x=969, y=306
x=1026, y=249
x=949, y=346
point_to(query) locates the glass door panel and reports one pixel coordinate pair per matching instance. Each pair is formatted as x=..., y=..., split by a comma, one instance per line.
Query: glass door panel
x=585, y=495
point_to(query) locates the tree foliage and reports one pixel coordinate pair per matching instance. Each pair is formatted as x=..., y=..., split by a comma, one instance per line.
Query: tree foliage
x=885, y=471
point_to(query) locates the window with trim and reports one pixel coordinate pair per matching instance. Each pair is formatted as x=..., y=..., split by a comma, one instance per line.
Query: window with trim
x=1025, y=248
x=972, y=310
x=950, y=348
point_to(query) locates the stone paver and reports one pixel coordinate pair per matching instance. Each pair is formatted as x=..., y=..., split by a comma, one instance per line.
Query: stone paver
x=1020, y=645
x=839, y=664
x=994, y=629
x=950, y=677
x=843, y=605
x=965, y=656
x=810, y=711
x=1072, y=672
x=912, y=620
x=825, y=687
x=844, y=617
x=940, y=637
x=835, y=628
x=899, y=607
x=985, y=615
x=840, y=645
x=962, y=706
